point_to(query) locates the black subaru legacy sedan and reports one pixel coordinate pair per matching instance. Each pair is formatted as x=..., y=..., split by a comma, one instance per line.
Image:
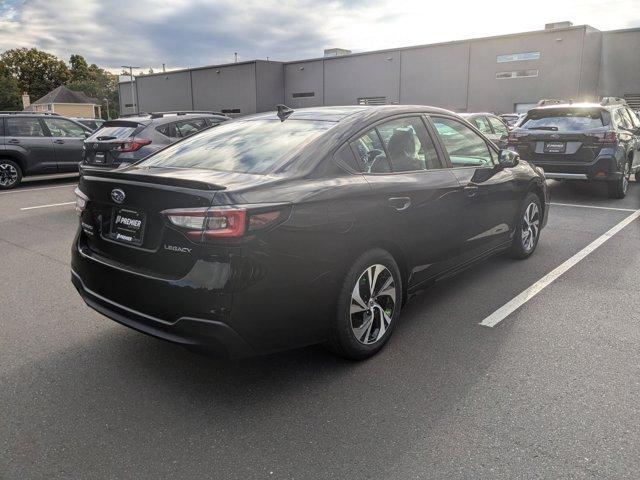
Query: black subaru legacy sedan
x=302, y=227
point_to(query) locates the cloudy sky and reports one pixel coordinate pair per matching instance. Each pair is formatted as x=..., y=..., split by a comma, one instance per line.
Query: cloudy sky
x=187, y=33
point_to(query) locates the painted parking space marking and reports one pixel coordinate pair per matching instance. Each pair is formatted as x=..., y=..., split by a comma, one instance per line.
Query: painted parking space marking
x=515, y=303
x=594, y=206
x=24, y=190
x=47, y=206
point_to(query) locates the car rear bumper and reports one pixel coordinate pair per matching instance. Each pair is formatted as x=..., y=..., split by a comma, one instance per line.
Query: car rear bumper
x=601, y=169
x=199, y=333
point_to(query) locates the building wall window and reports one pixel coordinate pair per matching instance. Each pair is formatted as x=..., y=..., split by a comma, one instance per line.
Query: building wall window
x=303, y=94
x=517, y=74
x=518, y=57
x=372, y=100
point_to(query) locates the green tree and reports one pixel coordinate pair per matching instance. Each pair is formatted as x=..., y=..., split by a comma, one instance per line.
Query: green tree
x=36, y=72
x=99, y=84
x=79, y=68
x=10, y=95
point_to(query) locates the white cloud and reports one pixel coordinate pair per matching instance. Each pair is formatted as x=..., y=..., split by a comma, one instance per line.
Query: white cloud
x=198, y=32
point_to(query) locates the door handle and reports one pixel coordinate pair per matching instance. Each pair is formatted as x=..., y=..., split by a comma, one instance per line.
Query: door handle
x=59, y=142
x=471, y=190
x=400, y=203
x=14, y=141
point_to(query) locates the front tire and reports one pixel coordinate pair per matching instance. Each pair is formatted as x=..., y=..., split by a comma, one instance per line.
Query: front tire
x=527, y=234
x=10, y=174
x=368, y=306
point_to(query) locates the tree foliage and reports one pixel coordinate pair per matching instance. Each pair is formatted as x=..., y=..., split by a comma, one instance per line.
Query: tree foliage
x=37, y=73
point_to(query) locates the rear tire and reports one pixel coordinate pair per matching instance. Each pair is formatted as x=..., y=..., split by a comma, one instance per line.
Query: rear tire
x=368, y=306
x=618, y=188
x=10, y=174
x=527, y=234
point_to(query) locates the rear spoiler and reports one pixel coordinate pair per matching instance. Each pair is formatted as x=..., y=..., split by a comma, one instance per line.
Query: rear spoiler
x=91, y=173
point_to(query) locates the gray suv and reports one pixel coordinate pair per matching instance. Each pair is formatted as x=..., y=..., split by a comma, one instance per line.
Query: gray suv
x=129, y=139
x=36, y=144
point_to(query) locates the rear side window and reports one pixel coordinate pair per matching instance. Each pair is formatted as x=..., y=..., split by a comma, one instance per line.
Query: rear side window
x=168, y=130
x=498, y=126
x=563, y=120
x=482, y=124
x=189, y=127
x=408, y=145
x=371, y=153
x=23, y=127
x=465, y=147
x=251, y=146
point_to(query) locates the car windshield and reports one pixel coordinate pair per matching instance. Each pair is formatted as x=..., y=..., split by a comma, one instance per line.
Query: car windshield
x=563, y=120
x=114, y=130
x=251, y=146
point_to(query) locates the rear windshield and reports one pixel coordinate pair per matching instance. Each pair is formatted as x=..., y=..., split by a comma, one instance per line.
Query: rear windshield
x=251, y=146
x=563, y=120
x=115, y=130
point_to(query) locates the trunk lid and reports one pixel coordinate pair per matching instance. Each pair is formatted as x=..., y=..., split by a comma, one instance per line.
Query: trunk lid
x=559, y=146
x=101, y=147
x=123, y=221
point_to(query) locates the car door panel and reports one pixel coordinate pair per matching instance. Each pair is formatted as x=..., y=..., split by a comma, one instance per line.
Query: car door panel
x=418, y=203
x=27, y=139
x=489, y=190
x=68, y=139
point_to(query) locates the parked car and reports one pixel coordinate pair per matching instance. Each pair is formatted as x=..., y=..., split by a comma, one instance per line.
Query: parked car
x=309, y=226
x=127, y=140
x=492, y=126
x=37, y=143
x=582, y=142
x=92, y=124
x=511, y=119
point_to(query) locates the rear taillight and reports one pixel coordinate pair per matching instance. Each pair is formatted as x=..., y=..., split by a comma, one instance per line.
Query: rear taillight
x=132, y=144
x=609, y=137
x=81, y=201
x=205, y=224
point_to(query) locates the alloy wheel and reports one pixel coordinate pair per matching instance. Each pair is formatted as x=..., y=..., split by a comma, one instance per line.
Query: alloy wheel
x=530, y=226
x=625, y=177
x=8, y=174
x=373, y=302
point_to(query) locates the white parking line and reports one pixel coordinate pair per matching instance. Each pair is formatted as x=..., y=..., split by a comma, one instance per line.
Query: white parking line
x=23, y=190
x=47, y=206
x=512, y=305
x=594, y=206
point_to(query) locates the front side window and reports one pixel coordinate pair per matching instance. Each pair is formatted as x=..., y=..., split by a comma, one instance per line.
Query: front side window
x=23, y=127
x=464, y=146
x=63, y=128
x=634, y=118
x=250, y=146
x=482, y=124
x=498, y=126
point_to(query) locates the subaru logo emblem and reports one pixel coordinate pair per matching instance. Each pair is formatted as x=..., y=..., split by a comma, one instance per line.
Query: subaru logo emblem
x=117, y=195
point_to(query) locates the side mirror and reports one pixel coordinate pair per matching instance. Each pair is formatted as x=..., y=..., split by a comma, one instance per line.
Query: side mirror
x=508, y=158
x=87, y=134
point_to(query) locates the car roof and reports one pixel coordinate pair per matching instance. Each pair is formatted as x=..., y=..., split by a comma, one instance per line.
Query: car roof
x=338, y=113
x=583, y=105
x=168, y=118
x=474, y=114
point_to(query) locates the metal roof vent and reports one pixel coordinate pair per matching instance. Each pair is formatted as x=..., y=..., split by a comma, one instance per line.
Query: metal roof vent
x=556, y=25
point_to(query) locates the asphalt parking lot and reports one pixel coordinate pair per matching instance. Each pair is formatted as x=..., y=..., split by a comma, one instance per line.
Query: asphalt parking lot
x=551, y=391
